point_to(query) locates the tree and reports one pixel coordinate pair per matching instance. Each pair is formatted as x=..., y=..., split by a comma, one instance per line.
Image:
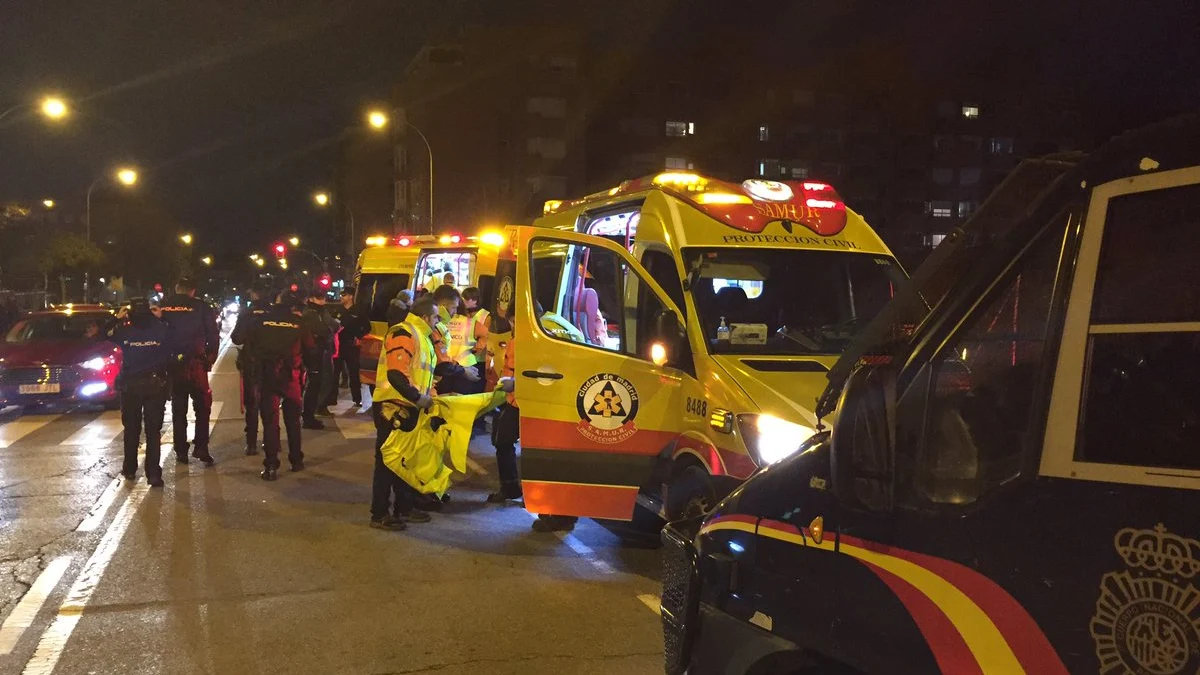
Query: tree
x=65, y=252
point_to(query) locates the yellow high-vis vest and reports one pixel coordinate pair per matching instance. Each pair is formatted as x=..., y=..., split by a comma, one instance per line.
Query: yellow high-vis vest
x=423, y=360
x=461, y=339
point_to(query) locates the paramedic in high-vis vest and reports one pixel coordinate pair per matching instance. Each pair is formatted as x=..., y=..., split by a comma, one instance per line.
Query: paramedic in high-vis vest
x=403, y=391
x=467, y=342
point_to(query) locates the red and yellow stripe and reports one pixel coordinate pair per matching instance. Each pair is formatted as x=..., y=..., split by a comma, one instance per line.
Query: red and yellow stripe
x=970, y=623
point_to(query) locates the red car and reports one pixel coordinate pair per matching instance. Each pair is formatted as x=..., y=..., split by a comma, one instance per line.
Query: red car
x=60, y=355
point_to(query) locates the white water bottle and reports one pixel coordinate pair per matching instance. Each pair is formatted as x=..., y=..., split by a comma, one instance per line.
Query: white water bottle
x=723, y=333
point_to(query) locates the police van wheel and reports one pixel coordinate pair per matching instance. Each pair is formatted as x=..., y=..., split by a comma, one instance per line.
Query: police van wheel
x=690, y=493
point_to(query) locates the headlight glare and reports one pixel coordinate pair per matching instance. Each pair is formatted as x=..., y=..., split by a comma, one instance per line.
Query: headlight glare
x=770, y=439
x=96, y=363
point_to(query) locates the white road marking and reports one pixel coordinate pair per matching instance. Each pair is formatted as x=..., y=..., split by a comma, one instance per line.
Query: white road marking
x=476, y=466
x=27, y=609
x=54, y=640
x=100, y=431
x=20, y=428
x=652, y=602
x=582, y=549
x=96, y=515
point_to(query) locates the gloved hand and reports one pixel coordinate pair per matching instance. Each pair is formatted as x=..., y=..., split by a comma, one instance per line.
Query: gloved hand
x=506, y=384
x=471, y=374
x=425, y=402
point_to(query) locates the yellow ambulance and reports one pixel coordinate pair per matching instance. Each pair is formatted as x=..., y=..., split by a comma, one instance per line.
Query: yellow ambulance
x=414, y=262
x=711, y=313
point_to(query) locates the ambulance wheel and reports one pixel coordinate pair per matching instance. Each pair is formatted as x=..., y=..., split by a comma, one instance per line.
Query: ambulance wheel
x=691, y=493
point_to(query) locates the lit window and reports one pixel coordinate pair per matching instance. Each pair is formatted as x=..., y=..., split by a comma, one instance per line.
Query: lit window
x=678, y=163
x=942, y=209
x=753, y=288
x=966, y=208
x=800, y=172
x=762, y=168
x=764, y=132
x=768, y=168
x=680, y=129
x=1001, y=146
x=932, y=240
x=970, y=112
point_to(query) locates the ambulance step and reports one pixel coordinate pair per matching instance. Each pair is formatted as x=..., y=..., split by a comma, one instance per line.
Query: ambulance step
x=652, y=504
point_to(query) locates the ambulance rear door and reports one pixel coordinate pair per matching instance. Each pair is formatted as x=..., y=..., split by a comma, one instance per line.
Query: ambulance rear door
x=597, y=411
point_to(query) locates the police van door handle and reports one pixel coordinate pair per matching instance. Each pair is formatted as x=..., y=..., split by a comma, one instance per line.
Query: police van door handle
x=539, y=375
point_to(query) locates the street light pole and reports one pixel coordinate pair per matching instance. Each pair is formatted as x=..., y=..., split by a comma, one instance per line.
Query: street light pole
x=429, y=152
x=87, y=236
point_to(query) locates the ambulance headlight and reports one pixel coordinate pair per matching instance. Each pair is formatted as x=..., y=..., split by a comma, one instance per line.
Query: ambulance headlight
x=770, y=439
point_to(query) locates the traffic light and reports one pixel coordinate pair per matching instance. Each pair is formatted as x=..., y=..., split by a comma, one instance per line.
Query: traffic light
x=280, y=249
x=324, y=281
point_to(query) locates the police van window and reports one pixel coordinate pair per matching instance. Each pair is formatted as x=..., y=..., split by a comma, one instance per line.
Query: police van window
x=979, y=416
x=1141, y=401
x=375, y=291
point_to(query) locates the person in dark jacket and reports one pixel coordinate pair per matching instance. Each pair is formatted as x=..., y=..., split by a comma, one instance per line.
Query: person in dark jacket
x=281, y=346
x=355, y=326
x=247, y=368
x=144, y=385
x=319, y=381
x=193, y=339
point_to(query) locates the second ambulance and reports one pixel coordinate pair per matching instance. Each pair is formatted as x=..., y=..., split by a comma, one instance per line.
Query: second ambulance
x=710, y=311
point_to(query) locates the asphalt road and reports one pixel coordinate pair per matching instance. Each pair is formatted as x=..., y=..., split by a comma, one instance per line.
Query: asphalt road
x=220, y=572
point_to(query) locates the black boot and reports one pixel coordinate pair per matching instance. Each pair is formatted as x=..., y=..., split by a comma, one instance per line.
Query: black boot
x=269, y=474
x=202, y=455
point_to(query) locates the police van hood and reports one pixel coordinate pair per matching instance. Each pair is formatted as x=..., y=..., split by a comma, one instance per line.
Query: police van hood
x=784, y=386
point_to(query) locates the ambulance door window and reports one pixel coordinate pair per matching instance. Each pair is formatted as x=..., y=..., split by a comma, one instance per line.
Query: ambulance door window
x=648, y=306
x=980, y=416
x=1141, y=397
x=661, y=266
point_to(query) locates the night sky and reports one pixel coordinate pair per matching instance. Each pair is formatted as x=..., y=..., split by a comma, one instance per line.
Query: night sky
x=232, y=107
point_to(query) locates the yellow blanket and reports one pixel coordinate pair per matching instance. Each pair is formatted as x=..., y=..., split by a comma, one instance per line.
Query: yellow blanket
x=417, y=456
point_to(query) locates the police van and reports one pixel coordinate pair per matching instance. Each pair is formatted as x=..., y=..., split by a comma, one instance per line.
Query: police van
x=1012, y=483
x=709, y=313
x=417, y=262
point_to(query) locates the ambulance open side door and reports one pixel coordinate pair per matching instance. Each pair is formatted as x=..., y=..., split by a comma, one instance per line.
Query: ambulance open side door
x=599, y=398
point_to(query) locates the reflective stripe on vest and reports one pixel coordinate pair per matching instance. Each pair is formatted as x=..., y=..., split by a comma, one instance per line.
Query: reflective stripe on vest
x=461, y=338
x=421, y=371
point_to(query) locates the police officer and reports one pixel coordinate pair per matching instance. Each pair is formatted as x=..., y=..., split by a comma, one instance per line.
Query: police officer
x=280, y=346
x=258, y=306
x=355, y=326
x=193, y=339
x=507, y=426
x=144, y=385
x=319, y=381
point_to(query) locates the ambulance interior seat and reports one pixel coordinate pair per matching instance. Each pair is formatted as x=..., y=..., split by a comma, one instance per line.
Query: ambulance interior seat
x=733, y=304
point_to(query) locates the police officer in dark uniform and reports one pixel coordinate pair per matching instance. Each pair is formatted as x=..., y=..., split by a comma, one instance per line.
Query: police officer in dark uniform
x=319, y=382
x=355, y=326
x=193, y=339
x=281, y=345
x=144, y=385
x=258, y=306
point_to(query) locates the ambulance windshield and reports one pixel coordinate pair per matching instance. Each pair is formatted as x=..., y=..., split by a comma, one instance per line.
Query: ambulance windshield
x=786, y=301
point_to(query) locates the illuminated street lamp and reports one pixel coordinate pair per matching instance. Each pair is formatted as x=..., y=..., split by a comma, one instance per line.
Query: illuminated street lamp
x=260, y=262
x=124, y=176
x=53, y=108
x=294, y=241
x=207, y=260
x=254, y=256
x=48, y=203
x=321, y=198
x=377, y=119
x=186, y=239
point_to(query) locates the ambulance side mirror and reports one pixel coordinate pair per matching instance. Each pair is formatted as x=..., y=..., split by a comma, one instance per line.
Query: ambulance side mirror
x=863, y=441
x=669, y=338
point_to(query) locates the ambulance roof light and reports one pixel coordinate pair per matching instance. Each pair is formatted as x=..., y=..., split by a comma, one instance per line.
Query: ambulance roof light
x=444, y=239
x=376, y=241
x=551, y=205
x=404, y=241
x=680, y=179
x=454, y=238
x=492, y=238
x=820, y=203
